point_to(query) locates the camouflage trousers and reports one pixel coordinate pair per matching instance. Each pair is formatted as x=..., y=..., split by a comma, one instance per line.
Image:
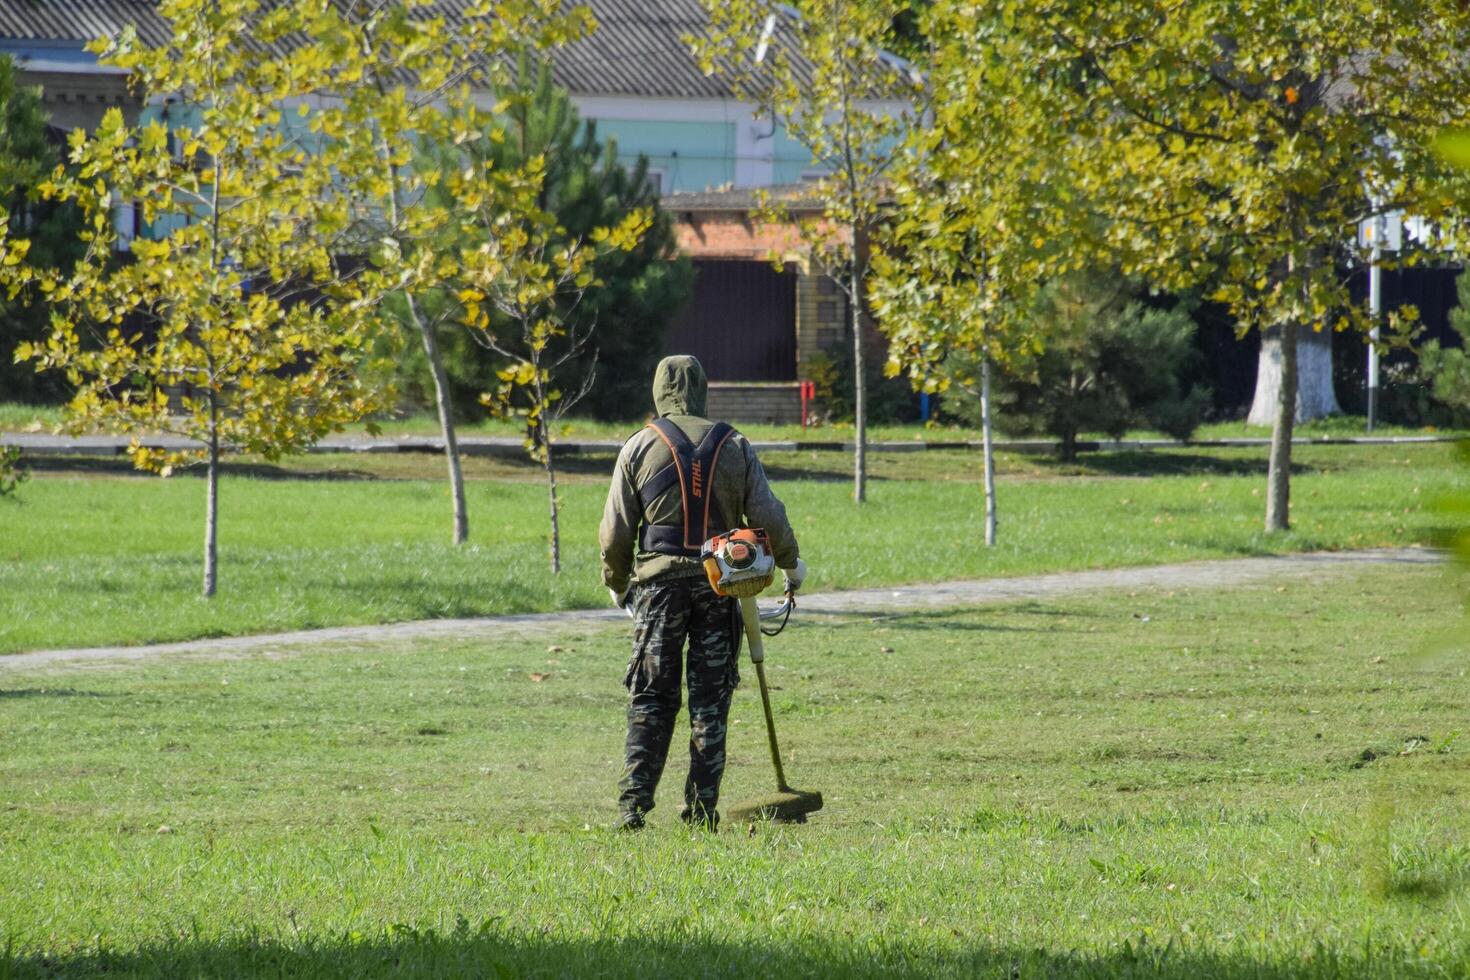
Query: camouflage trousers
x=669, y=613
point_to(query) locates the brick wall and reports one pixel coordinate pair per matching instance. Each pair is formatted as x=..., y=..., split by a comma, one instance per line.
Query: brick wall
x=734, y=235
x=821, y=315
x=821, y=308
x=777, y=403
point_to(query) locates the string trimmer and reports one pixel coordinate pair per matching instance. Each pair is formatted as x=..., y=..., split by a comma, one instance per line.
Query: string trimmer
x=740, y=564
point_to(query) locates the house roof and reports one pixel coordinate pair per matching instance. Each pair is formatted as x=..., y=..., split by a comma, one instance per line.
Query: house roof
x=78, y=20
x=638, y=48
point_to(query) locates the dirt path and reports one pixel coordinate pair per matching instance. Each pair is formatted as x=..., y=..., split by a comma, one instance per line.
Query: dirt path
x=1202, y=574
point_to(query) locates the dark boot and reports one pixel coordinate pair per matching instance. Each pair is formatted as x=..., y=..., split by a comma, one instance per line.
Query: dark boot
x=699, y=818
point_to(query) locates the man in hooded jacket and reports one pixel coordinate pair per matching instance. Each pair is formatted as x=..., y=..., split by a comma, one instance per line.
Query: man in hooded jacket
x=671, y=600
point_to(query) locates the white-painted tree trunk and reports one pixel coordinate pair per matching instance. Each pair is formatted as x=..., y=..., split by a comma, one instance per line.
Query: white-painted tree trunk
x=1315, y=396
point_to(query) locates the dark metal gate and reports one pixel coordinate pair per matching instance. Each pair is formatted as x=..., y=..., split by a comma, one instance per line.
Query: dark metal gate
x=740, y=321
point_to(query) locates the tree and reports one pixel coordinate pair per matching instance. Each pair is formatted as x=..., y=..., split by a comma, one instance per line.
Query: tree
x=979, y=220
x=1241, y=145
x=232, y=324
x=531, y=284
x=26, y=158
x=408, y=71
x=514, y=277
x=1447, y=369
x=585, y=187
x=1107, y=363
x=826, y=76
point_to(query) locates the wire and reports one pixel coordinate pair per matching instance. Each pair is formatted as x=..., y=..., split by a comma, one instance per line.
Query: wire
x=790, y=605
x=678, y=155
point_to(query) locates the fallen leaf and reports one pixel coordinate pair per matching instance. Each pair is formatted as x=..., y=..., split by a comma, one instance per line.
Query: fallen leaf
x=538, y=678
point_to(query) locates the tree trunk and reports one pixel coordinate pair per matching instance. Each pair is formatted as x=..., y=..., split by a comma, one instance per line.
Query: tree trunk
x=1315, y=397
x=551, y=497
x=211, y=503
x=461, y=531
x=446, y=420
x=1278, y=475
x=988, y=451
x=1067, y=449
x=859, y=381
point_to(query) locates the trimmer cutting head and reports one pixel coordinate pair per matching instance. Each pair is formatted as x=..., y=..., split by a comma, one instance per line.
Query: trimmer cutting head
x=786, y=806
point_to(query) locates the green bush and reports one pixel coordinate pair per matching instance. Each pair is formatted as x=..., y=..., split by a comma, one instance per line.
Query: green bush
x=1109, y=364
x=890, y=400
x=1447, y=369
x=12, y=474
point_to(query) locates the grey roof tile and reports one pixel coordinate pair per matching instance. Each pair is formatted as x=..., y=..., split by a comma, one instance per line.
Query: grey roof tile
x=639, y=48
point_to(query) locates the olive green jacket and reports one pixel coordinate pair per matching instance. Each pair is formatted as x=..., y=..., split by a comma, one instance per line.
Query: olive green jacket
x=740, y=486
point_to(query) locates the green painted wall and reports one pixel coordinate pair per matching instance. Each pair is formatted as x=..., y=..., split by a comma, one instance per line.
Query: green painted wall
x=792, y=159
x=694, y=156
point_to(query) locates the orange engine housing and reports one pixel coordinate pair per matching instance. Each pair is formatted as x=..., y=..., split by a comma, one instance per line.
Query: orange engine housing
x=739, y=563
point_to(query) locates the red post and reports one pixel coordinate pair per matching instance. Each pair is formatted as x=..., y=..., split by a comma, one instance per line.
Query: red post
x=808, y=393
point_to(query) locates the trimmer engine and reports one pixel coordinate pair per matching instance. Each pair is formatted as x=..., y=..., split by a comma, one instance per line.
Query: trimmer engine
x=739, y=563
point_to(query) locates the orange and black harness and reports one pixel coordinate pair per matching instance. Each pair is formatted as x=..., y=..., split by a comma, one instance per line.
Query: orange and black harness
x=693, y=471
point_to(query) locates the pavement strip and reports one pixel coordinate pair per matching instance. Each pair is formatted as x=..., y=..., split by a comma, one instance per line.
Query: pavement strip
x=1222, y=573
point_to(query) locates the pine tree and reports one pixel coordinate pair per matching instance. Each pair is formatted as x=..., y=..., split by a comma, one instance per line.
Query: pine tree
x=1107, y=363
x=585, y=187
x=26, y=158
x=1447, y=369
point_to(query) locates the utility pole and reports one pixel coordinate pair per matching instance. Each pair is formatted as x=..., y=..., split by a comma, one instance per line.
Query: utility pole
x=1382, y=233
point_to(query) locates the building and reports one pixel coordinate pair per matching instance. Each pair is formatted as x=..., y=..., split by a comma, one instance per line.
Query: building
x=754, y=326
x=760, y=315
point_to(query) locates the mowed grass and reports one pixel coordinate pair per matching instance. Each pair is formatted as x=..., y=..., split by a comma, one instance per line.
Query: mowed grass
x=89, y=558
x=1266, y=782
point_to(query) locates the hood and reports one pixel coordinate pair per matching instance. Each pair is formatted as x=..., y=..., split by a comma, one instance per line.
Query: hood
x=679, y=386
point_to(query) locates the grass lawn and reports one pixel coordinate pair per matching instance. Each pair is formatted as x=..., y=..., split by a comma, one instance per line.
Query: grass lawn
x=1265, y=782
x=92, y=556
